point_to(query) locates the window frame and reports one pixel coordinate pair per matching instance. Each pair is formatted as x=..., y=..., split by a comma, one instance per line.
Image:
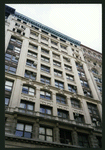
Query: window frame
x=45, y=68
x=28, y=90
x=58, y=83
x=45, y=79
x=45, y=95
x=75, y=103
x=30, y=74
x=60, y=100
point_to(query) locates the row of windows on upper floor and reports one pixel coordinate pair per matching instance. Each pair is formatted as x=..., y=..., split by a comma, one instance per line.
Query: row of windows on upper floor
x=92, y=53
x=29, y=106
x=43, y=31
x=95, y=63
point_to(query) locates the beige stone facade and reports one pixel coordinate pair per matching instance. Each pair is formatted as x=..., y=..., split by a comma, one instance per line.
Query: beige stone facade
x=51, y=97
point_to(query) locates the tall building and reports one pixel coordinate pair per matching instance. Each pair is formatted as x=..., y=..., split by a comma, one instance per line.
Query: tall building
x=52, y=91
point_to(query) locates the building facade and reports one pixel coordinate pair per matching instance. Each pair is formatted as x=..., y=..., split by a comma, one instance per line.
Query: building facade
x=52, y=97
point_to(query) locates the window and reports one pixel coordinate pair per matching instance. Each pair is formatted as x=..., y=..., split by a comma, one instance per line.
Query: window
x=26, y=106
x=46, y=134
x=63, y=114
x=79, y=65
x=53, y=42
x=10, y=69
x=30, y=53
x=30, y=63
x=57, y=73
x=62, y=46
x=66, y=59
x=72, y=88
x=65, y=136
x=69, y=68
x=92, y=108
x=84, y=83
x=44, y=58
x=10, y=57
x=87, y=93
x=75, y=103
x=56, y=63
x=45, y=95
x=34, y=33
x=44, y=110
x=30, y=75
x=78, y=118
x=56, y=55
x=94, y=71
x=34, y=27
x=7, y=99
x=8, y=85
x=14, y=48
x=62, y=40
x=24, y=130
x=33, y=46
x=70, y=77
x=83, y=140
x=72, y=49
x=99, y=80
x=61, y=99
x=81, y=74
x=44, y=51
x=16, y=41
x=99, y=88
x=45, y=80
x=44, y=38
x=45, y=68
x=28, y=90
x=59, y=84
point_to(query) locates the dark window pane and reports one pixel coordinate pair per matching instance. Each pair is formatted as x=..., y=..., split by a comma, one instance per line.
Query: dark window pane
x=27, y=134
x=6, y=101
x=19, y=133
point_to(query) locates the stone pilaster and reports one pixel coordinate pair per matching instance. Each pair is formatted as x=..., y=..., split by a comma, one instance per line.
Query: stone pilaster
x=93, y=141
x=74, y=137
x=35, y=134
x=56, y=133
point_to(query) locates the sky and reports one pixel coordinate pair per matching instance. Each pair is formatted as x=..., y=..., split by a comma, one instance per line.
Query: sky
x=82, y=22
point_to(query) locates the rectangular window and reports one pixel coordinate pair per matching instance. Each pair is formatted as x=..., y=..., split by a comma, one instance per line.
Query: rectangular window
x=59, y=84
x=56, y=55
x=83, y=140
x=33, y=46
x=84, y=83
x=54, y=36
x=75, y=103
x=45, y=68
x=30, y=75
x=53, y=42
x=56, y=63
x=34, y=33
x=92, y=108
x=30, y=63
x=45, y=58
x=45, y=95
x=45, y=111
x=66, y=59
x=16, y=41
x=14, y=48
x=62, y=46
x=57, y=73
x=70, y=77
x=87, y=93
x=65, y=136
x=30, y=53
x=72, y=88
x=26, y=107
x=44, y=38
x=69, y=68
x=78, y=118
x=44, y=32
x=10, y=69
x=46, y=134
x=7, y=99
x=63, y=114
x=24, y=130
x=81, y=74
x=45, y=80
x=8, y=85
x=79, y=65
x=44, y=51
x=61, y=99
x=28, y=90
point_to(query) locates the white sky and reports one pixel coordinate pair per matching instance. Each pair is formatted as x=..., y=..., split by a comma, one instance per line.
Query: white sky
x=82, y=22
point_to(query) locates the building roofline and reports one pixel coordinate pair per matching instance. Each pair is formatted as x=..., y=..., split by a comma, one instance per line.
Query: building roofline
x=90, y=49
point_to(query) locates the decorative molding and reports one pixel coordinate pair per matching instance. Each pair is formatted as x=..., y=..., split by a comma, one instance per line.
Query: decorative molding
x=60, y=91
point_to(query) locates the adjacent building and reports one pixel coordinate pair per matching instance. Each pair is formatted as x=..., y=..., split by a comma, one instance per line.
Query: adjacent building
x=53, y=87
